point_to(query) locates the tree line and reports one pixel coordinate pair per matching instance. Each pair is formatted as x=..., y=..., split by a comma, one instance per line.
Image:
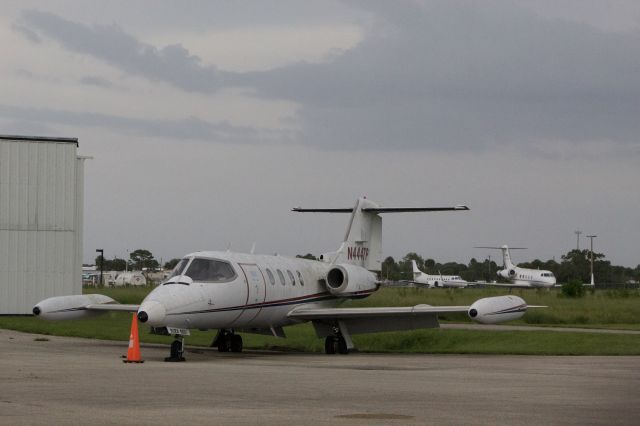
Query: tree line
x=574, y=265
x=138, y=260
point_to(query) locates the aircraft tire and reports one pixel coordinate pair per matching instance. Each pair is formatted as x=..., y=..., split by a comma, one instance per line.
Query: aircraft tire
x=236, y=343
x=330, y=345
x=224, y=344
x=342, y=346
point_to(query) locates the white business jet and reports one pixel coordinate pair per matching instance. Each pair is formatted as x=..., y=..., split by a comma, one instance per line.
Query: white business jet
x=235, y=292
x=522, y=277
x=432, y=281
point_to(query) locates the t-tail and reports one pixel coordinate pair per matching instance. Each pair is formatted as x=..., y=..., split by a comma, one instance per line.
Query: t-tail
x=506, y=257
x=362, y=244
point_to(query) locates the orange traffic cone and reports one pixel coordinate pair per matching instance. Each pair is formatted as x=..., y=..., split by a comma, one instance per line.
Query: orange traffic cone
x=133, y=353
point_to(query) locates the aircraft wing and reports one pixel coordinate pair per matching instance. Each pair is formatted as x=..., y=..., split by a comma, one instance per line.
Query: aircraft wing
x=78, y=306
x=400, y=283
x=378, y=312
x=369, y=320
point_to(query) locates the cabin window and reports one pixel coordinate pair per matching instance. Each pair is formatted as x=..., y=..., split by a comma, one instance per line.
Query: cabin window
x=210, y=270
x=272, y=280
x=291, y=277
x=300, y=278
x=179, y=267
x=281, y=276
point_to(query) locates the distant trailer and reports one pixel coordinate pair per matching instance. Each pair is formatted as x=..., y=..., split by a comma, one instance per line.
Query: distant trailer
x=130, y=278
x=41, y=218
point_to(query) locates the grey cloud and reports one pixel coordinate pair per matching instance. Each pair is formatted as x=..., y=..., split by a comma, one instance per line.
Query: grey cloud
x=93, y=80
x=30, y=35
x=171, y=64
x=466, y=74
x=433, y=74
x=189, y=128
x=24, y=127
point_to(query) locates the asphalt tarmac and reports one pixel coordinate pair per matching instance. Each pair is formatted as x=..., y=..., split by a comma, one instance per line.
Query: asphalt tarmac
x=59, y=380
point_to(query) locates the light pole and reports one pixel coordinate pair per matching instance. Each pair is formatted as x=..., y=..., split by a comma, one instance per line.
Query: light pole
x=101, y=251
x=591, y=237
x=577, y=232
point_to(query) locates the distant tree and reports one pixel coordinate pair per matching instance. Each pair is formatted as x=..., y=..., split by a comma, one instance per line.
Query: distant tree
x=117, y=264
x=171, y=264
x=142, y=258
x=414, y=256
x=390, y=269
x=575, y=265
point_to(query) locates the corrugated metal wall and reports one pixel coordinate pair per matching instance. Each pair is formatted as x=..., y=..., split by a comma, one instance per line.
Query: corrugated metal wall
x=41, y=195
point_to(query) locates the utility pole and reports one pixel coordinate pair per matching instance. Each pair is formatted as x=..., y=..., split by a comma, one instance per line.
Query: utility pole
x=578, y=232
x=591, y=237
x=101, y=251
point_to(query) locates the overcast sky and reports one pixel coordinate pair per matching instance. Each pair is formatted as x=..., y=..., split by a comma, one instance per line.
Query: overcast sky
x=209, y=120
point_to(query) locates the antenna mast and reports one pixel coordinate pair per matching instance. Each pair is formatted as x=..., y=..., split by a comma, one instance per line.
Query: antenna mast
x=577, y=232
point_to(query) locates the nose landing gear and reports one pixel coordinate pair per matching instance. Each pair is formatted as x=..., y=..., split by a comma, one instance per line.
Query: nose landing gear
x=176, y=350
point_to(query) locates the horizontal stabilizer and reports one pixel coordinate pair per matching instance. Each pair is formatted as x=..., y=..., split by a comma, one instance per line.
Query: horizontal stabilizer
x=383, y=209
x=500, y=248
x=301, y=210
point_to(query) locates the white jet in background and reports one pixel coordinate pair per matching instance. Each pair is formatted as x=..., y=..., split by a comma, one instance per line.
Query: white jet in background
x=521, y=277
x=236, y=292
x=432, y=281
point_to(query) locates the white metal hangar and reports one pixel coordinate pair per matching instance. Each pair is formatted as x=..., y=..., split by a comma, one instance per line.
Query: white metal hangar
x=41, y=214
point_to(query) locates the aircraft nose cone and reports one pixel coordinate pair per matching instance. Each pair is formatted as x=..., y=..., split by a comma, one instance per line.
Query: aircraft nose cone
x=152, y=312
x=36, y=310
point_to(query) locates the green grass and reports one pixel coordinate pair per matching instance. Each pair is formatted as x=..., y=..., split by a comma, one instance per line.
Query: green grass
x=601, y=309
x=598, y=310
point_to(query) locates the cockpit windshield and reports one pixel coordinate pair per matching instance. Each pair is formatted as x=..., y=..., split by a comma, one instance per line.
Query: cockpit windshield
x=210, y=270
x=179, y=267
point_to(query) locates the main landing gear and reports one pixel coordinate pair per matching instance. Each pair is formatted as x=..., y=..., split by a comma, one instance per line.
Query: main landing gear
x=338, y=339
x=176, y=351
x=227, y=341
x=335, y=344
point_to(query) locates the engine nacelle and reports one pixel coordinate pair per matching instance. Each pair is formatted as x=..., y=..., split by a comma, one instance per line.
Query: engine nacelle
x=345, y=279
x=492, y=310
x=70, y=307
x=507, y=273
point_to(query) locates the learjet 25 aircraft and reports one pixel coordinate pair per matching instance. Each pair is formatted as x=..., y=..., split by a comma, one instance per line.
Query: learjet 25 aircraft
x=246, y=293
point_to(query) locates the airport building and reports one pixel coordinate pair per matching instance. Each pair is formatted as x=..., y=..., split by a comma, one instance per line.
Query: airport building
x=41, y=219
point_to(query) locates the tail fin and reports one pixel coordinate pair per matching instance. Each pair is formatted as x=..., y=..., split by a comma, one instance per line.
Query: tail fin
x=416, y=272
x=362, y=244
x=506, y=257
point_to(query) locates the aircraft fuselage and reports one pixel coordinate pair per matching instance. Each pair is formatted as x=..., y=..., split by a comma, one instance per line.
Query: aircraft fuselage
x=257, y=292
